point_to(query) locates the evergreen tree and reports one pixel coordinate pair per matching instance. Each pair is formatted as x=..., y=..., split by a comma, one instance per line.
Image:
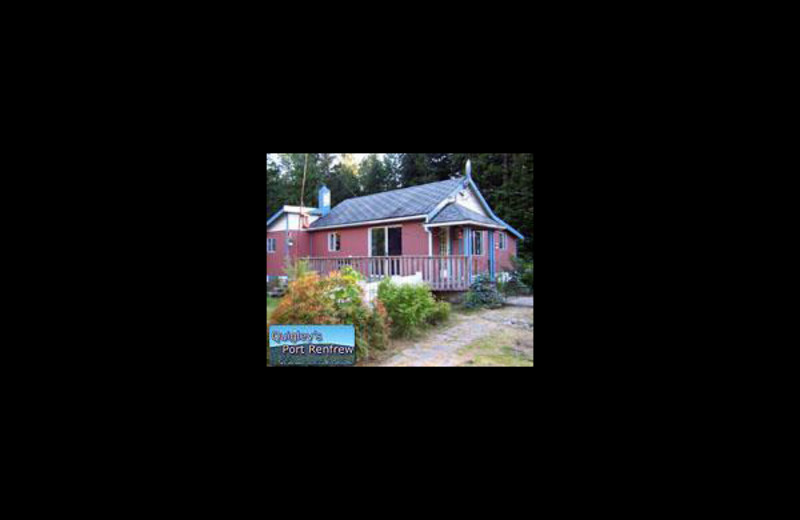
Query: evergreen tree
x=375, y=177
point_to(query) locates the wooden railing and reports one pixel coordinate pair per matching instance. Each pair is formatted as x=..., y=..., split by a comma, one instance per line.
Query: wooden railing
x=443, y=273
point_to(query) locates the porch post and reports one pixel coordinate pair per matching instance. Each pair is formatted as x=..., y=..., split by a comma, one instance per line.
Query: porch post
x=468, y=249
x=491, y=254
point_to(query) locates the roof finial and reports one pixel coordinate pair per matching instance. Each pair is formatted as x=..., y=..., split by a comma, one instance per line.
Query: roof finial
x=469, y=168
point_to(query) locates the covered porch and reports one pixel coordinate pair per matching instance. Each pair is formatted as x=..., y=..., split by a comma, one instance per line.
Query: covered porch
x=458, y=254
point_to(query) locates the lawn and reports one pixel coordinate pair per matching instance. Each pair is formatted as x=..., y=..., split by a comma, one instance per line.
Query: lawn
x=509, y=347
x=271, y=304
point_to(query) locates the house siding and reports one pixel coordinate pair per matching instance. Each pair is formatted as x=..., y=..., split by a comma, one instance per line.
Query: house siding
x=355, y=241
x=300, y=249
x=504, y=257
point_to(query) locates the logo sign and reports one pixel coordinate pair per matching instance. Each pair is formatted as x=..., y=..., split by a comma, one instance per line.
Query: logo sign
x=310, y=345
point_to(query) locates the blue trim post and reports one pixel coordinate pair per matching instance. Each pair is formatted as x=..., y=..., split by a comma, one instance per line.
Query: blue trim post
x=491, y=254
x=468, y=247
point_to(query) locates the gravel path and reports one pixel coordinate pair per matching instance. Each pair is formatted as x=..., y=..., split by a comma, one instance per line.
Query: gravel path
x=441, y=349
x=521, y=301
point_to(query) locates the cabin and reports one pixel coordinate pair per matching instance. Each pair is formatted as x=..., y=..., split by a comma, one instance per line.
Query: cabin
x=445, y=230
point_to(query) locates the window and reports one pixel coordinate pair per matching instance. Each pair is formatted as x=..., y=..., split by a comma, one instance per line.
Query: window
x=272, y=246
x=444, y=241
x=503, y=243
x=378, y=242
x=334, y=242
x=477, y=243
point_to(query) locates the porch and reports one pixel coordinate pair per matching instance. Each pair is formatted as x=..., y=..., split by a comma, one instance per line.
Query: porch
x=442, y=273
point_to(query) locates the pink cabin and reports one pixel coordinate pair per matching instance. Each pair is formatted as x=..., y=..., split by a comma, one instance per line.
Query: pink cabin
x=445, y=230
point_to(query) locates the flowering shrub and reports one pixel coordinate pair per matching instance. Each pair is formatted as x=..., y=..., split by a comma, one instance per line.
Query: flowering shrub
x=336, y=300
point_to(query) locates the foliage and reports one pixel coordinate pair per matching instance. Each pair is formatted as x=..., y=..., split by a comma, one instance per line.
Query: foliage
x=306, y=303
x=483, y=294
x=336, y=300
x=527, y=276
x=351, y=274
x=514, y=285
x=411, y=307
x=296, y=270
x=378, y=327
x=440, y=313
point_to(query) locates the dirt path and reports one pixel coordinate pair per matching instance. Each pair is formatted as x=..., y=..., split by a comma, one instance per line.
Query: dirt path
x=461, y=343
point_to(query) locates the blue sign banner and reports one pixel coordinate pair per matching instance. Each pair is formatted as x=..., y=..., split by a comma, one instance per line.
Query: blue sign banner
x=312, y=345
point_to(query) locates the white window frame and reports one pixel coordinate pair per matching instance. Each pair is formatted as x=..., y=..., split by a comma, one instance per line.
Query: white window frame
x=449, y=249
x=503, y=241
x=385, y=239
x=338, y=242
x=274, y=248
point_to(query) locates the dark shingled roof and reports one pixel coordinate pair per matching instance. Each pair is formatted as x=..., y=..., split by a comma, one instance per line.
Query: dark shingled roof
x=455, y=213
x=408, y=202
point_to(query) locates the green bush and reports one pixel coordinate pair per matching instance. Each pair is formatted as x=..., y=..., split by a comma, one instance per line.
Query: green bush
x=411, y=307
x=378, y=327
x=349, y=272
x=512, y=286
x=527, y=277
x=483, y=294
x=336, y=300
x=296, y=270
x=440, y=314
x=520, y=279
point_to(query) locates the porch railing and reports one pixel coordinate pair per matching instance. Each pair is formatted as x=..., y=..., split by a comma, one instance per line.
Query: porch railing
x=442, y=273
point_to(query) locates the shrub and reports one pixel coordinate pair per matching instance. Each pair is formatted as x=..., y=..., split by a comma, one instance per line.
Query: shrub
x=527, y=277
x=440, y=314
x=483, y=294
x=512, y=286
x=520, y=279
x=296, y=270
x=336, y=300
x=306, y=303
x=411, y=307
x=378, y=327
x=348, y=272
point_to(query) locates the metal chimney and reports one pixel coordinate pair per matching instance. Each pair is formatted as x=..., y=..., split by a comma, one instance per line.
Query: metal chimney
x=469, y=168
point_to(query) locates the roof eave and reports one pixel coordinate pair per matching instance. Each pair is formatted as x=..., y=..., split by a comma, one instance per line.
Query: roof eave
x=466, y=223
x=367, y=223
x=274, y=217
x=491, y=213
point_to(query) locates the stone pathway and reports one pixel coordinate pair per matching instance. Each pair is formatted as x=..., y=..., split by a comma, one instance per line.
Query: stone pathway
x=522, y=301
x=441, y=348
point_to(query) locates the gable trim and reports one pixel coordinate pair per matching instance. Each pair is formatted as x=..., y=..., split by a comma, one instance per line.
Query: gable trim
x=452, y=198
x=491, y=213
x=467, y=223
x=274, y=217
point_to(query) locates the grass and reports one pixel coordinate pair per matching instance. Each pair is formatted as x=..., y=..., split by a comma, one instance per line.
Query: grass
x=501, y=350
x=271, y=304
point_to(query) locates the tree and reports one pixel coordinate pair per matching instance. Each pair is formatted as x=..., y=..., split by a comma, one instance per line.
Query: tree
x=375, y=178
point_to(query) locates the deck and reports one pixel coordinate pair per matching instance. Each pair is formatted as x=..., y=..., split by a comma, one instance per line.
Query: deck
x=442, y=273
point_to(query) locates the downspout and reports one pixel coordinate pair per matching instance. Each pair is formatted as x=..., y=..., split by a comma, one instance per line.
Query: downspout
x=492, y=257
